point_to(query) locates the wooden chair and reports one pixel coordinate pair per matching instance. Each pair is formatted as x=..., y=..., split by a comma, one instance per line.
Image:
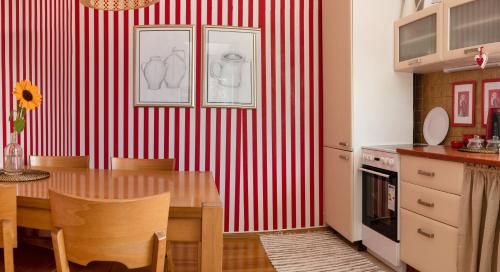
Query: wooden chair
x=131, y=232
x=142, y=164
x=8, y=225
x=60, y=161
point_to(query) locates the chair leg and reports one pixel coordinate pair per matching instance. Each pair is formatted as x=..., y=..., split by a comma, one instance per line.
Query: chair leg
x=8, y=245
x=169, y=267
x=159, y=251
x=59, y=251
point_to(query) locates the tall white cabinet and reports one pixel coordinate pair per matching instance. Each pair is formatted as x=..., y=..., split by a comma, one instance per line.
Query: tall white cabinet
x=365, y=101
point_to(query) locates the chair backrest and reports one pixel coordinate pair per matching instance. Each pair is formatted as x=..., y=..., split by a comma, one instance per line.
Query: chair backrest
x=110, y=230
x=60, y=161
x=8, y=212
x=142, y=164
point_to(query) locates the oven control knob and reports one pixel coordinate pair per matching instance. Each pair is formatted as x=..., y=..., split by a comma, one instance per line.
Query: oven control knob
x=384, y=160
x=391, y=162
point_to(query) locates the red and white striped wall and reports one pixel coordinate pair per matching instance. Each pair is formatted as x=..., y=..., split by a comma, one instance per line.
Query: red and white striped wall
x=266, y=162
x=36, y=45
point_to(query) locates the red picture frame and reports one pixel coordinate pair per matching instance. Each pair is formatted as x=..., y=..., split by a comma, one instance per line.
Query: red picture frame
x=463, y=101
x=485, y=110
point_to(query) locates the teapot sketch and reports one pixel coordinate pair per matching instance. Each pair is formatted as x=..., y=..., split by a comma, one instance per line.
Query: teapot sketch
x=175, y=66
x=228, y=69
x=154, y=72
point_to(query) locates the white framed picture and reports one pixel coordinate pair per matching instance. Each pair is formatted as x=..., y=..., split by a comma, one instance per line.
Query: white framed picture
x=231, y=64
x=164, y=66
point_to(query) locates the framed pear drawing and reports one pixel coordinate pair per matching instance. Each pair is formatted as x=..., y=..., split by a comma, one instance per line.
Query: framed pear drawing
x=164, y=66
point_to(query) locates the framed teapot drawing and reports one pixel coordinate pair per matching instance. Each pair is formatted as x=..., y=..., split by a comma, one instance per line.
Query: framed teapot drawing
x=164, y=66
x=231, y=64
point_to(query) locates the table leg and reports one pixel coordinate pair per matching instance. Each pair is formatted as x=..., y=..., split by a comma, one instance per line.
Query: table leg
x=211, y=238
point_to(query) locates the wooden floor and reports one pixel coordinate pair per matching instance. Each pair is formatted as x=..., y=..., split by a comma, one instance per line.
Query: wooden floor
x=242, y=253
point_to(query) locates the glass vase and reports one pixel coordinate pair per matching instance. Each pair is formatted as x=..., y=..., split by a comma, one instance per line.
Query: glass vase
x=13, y=157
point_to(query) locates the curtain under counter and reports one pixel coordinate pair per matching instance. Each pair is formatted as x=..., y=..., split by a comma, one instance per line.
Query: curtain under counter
x=479, y=222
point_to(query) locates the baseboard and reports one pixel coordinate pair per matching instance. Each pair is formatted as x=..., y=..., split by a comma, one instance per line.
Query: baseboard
x=240, y=235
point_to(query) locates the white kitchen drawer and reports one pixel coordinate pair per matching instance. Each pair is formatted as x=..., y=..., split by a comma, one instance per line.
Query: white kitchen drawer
x=436, y=174
x=441, y=206
x=428, y=245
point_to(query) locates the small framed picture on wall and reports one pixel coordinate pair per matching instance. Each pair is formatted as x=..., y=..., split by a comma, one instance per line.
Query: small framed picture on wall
x=231, y=63
x=463, y=104
x=491, y=97
x=164, y=66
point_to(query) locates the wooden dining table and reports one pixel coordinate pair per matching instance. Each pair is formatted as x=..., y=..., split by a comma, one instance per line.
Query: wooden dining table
x=196, y=210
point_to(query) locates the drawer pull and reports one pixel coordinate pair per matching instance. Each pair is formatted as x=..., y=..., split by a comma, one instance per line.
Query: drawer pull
x=424, y=203
x=344, y=157
x=344, y=144
x=471, y=50
x=423, y=233
x=425, y=173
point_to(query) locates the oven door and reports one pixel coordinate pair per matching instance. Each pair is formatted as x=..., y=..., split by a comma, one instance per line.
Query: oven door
x=380, y=201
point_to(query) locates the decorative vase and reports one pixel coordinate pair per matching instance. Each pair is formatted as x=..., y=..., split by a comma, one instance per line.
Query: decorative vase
x=409, y=7
x=154, y=72
x=228, y=70
x=13, y=157
x=176, y=68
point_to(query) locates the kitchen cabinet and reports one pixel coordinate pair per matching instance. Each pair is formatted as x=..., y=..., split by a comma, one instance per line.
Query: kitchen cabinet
x=338, y=129
x=338, y=179
x=418, y=40
x=447, y=35
x=470, y=24
x=364, y=101
x=430, y=196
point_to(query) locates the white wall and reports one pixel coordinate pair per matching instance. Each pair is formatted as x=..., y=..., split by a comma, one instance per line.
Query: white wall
x=383, y=99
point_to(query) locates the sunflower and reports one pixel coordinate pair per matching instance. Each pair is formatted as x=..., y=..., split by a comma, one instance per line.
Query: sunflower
x=27, y=95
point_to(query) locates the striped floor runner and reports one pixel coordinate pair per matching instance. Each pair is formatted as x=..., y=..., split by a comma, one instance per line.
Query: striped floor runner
x=313, y=251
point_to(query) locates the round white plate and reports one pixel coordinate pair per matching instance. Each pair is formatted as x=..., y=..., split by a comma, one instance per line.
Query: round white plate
x=436, y=126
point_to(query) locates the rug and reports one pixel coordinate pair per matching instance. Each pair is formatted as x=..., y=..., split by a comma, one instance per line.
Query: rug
x=313, y=251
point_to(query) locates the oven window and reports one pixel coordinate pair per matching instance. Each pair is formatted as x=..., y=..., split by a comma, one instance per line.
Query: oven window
x=380, y=201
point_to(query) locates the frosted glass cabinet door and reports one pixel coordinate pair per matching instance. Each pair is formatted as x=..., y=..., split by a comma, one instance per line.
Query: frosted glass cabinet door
x=418, y=39
x=470, y=24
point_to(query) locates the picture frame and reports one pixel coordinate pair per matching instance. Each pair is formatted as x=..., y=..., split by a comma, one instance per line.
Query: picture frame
x=463, y=100
x=491, y=87
x=231, y=65
x=164, y=65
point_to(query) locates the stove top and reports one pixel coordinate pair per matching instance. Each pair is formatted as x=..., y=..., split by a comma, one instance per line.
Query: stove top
x=391, y=148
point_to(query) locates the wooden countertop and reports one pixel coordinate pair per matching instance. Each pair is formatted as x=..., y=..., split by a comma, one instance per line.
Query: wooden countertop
x=447, y=153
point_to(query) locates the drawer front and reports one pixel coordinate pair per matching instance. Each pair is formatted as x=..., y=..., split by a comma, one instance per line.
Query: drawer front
x=440, y=175
x=431, y=203
x=428, y=245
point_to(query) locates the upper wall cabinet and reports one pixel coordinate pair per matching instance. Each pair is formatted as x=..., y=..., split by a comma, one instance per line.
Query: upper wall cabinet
x=470, y=24
x=417, y=43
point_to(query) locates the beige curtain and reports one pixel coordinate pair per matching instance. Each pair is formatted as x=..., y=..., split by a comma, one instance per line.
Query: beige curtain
x=479, y=223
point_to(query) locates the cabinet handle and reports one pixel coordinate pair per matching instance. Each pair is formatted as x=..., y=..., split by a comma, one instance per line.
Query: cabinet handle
x=424, y=203
x=426, y=234
x=471, y=50
x=425, y=173
x=344, y=144
x=344, y=157
x=414, y=62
